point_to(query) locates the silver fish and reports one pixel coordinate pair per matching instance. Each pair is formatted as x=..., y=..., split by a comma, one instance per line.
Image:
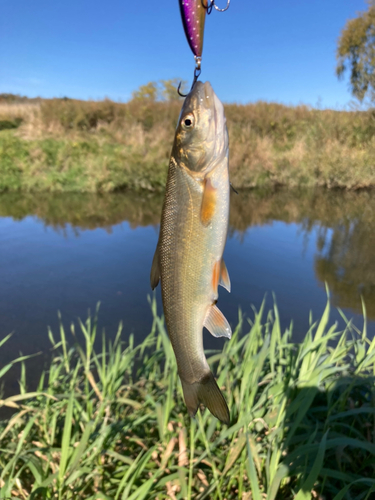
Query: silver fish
x=193, y=231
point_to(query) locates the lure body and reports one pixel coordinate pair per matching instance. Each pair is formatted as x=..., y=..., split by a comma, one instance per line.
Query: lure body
x=193, y=14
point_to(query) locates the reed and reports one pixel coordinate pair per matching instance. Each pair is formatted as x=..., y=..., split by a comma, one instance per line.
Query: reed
x=111, y=423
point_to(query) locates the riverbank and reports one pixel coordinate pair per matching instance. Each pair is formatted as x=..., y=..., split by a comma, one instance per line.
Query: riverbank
x=111, y=423
x=66, y=145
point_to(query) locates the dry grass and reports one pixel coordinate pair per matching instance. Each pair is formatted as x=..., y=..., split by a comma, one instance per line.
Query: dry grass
x=19, y=110
x=106, y=146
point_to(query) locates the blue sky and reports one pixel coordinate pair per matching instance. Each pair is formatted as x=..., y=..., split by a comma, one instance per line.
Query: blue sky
x=274, y=50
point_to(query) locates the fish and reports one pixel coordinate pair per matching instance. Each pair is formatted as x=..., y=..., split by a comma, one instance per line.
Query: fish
x=189, y=255
x=193, y=15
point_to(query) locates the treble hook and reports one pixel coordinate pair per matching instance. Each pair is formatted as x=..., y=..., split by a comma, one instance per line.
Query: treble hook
x=222, y=10
x=209, y=6
x=212, y=4
x=197, y=72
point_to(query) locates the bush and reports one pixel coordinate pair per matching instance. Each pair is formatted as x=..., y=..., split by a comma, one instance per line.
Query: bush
x=9, y=124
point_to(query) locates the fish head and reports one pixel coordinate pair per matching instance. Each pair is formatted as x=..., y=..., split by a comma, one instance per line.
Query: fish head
x=201, y=140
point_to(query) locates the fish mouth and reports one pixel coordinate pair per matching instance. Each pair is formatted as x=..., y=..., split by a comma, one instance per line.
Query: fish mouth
x=217, y=107
x=218, y=127
x=207, y=96
x=203, y=94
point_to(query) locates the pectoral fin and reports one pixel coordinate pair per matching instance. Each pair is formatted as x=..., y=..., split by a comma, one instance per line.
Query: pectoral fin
x=155, y=269
x=224, y=276
x=208, y=202
x=216, y=323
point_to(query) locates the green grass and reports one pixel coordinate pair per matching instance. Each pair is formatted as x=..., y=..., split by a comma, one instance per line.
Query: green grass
x=87, y=146
x=85, y=164
x=111, y=424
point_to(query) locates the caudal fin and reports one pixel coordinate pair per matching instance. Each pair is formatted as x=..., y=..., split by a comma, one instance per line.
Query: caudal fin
x=207, y=392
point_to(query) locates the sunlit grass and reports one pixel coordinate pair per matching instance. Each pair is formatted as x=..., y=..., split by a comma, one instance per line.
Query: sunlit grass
x=111, y=424
x=103, y=146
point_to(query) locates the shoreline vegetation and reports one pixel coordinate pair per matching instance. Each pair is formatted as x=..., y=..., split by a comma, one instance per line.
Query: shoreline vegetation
x=64, y=144
x=107, y=420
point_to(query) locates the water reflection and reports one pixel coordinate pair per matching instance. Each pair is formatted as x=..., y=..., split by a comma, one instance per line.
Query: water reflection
x=345, y=224
x=83, y=211
x=345, y=259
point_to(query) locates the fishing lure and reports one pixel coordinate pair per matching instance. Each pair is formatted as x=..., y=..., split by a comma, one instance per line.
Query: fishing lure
x=193, y=15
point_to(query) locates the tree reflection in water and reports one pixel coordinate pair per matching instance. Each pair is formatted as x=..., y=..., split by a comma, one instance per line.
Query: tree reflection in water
x=345, y=222
x=345, y=260
x=345, y=249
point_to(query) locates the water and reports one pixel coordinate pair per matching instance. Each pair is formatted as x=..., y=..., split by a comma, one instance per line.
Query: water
x=68, y=252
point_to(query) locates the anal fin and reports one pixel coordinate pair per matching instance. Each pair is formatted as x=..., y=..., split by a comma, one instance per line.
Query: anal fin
x=216, y=323
x=224, y=276
x=155, y=269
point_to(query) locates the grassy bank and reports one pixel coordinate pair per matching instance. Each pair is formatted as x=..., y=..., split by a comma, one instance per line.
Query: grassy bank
x=112, y=424
x=69, y=145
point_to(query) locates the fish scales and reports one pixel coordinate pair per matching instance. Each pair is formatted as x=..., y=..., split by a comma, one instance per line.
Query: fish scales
x=188, y=255
x=192, y=238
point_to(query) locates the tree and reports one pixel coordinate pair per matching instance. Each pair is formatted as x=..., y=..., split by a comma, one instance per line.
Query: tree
x=148, y=92
x=164, y=90
x=356, y=51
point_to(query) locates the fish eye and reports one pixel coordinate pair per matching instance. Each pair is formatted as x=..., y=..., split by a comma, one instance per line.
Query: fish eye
x=188, y=122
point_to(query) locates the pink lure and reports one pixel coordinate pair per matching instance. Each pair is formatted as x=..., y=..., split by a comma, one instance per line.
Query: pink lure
x=193, y=14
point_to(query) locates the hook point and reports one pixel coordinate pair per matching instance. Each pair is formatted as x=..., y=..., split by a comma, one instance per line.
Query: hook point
x=179, y=92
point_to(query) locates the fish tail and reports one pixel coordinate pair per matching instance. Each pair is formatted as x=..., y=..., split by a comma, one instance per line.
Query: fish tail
x=206, y=391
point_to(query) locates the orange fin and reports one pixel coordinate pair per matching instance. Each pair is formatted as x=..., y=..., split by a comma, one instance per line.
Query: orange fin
x=155, y=269
x=216, y=277
x=216, y=323
x=208, y=202
x=224, y=276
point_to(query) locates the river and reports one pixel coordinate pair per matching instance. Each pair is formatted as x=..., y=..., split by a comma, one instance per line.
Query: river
x=68, y=252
